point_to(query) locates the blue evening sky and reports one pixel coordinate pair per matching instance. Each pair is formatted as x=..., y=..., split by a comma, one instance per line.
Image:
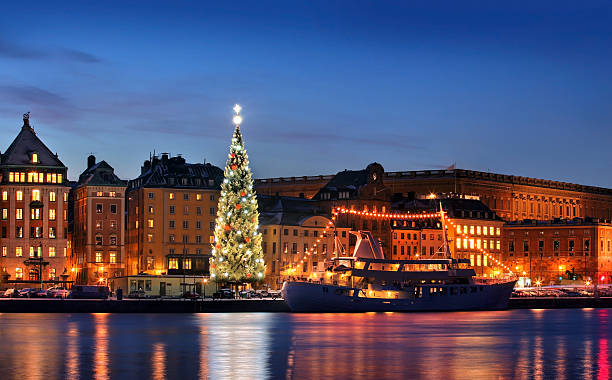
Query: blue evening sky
x=516, y=87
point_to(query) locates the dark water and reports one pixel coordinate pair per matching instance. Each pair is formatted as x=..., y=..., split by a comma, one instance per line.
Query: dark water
x=539, y=344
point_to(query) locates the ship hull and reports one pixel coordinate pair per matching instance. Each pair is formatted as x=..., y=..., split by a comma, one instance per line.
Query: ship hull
x=312, y=297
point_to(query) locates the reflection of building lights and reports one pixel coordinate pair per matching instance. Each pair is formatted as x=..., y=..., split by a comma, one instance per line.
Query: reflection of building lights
x=431, y=196
x=538, y=283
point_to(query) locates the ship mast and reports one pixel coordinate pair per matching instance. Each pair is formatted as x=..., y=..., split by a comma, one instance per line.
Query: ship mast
x=447, y=250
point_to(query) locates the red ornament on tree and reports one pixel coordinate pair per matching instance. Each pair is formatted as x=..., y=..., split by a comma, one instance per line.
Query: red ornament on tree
x=218, y=246
x=234, y=167
x=248, y=239
x=248, y=275
x=233, y=155
x=227, y=227
x=242, y=193
x=238, y=206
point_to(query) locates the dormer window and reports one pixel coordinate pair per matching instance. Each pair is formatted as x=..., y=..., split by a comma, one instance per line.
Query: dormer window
x=35, y=158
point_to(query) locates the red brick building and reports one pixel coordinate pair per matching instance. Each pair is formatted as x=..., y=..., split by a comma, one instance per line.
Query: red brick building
x=98, y=237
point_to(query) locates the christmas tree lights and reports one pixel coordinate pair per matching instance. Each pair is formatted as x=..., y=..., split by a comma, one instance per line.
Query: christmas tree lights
x=236, y=253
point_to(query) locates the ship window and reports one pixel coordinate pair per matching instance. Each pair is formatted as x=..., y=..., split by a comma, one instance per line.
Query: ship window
x=453, y=291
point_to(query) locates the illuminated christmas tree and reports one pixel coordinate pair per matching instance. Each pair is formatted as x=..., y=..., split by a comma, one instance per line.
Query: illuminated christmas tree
x=237, y=255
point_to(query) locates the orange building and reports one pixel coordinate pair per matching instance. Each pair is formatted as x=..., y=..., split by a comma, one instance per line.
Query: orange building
x=559, y=250
x=34, y=211
x=471, y=227
x=171, y=211
x=98, y=233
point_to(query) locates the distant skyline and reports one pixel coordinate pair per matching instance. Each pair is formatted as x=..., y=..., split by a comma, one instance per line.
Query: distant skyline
x=519, y=88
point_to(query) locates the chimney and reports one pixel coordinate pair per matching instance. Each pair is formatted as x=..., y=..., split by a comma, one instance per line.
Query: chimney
x=164, y=157
x=146, y=166
x=91, y=161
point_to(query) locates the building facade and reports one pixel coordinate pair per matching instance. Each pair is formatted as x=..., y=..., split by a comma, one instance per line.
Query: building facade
x=34, y=191
x=558, y=251
x=298, y=239
x=511, y=197
x=98, y=233
x=171, y=211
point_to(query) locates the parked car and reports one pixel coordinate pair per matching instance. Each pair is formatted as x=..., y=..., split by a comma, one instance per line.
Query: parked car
x=274, y=294
x=40, y=293
x=223, y=294
x=26, y=292
x=249, y=293
x=57, y=292
x=191, y=295
x=89, y=292
x=9, y=293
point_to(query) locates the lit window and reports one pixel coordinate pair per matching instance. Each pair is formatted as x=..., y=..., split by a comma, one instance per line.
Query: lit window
x=51, y=214
x=491, y=230
x=458, y=243
x=21, y=177
x=471, y=230
x=478, y=243
x=198, y=197
x=12, y=177
x=59, y=179
x=40, y=177
x=19, y=213
x=497, y=231
x=54, y=178
x=49, y=177
x=65, y=252
x=498, y=245
x=187, y=264
x=478, y=230
x=173, y=263
x=485, y=230
x=171, y=196
x=465, y=243
x=478, y=260
x=34, y=158
x=19, y=251
x=52, y=233
x=98, y=208
x=5, y=195
x=98, y=257
x=471, y=243
x=31, y=251
x=35, y=214
x=51, y=251
x=465, y=229
x=52, y=273
x=113, y=257
x=4, y=251
x=52, y=196
x=4, y=213
x=99, y=194
x=458, y=228
x=149, y=238
x=36, y=195
x=484, y=258
x=150, y=223
x=112, y=194
x=19, y=195
x=471, y=260
x=19, y=273
x=151, y=210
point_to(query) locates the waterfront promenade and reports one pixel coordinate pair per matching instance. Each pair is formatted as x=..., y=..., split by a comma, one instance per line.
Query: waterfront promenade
x=25, y=305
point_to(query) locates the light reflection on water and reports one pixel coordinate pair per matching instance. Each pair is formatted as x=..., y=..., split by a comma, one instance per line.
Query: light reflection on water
x=538, y=344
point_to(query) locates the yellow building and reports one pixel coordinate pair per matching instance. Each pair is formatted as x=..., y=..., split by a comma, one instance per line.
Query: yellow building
x=297, y=239
x=34, y=198
x=171, y=211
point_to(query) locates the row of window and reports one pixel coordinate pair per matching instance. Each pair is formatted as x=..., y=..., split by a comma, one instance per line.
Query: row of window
x=172, y=210
x=172, y=239
x=112, y=240
x=100, y=224
x=35, y=177
x=408, y=236
x=186, y=196
x=35, y=232
x=33, y=275
x=100, y=209
x=35, y=195
x=478, y=244
x=112, y=257
x=172, y=251
x=571, y=245
x=173, y=263
x=413, y=250
x=34, y=251
x=295, y=232
x=35, y=214
x=109, y=194
x=479, y=230
x=172, y=224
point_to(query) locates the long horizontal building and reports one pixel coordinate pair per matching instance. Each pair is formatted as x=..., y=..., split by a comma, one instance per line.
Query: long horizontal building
x=510, y=197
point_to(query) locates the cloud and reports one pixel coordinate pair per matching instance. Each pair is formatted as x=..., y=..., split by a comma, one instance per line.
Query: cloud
x=31, y=95
x=79, y=56
x=15, y=51
x=10, y=50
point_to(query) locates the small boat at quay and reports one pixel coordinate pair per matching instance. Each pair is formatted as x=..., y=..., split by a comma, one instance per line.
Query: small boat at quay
x=366, y=281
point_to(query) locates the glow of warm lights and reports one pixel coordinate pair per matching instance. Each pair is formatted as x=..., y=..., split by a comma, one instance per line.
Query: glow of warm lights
x=237, y=119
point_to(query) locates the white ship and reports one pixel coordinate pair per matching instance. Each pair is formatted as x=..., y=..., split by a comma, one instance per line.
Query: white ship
x=366, y=281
